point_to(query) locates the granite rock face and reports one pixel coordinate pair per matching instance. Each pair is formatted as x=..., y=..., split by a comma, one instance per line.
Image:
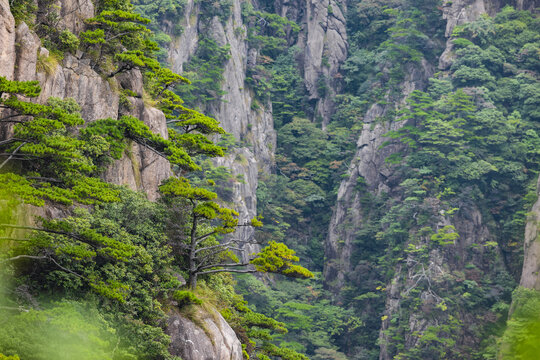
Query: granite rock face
x=326, y=48
x=368, y=163
x=236, y=110
x=20, y=56
x=530, y=276
x=208, y=338
x=140, y=169
x=368, y=167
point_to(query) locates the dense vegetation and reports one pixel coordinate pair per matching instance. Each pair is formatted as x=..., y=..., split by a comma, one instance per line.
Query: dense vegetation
x=100, y=278
x=469, y=140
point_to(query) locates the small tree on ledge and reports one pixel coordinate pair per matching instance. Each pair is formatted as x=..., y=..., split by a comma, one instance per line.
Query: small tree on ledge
x=197, y=243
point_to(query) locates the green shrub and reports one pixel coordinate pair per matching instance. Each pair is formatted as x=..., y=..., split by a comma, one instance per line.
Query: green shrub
x=184, y=298
x=69, y=41
x=4, y=357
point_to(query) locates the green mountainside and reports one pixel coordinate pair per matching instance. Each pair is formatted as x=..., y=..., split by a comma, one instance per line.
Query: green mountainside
x=155, y=154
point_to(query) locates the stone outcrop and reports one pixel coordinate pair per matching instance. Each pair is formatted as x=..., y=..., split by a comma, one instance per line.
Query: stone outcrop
x=209, y=337
x=236, y=111
x=464, y=11
x=323, y=39
x=140, y=168
x=368, y=163
x=27, y=45
x=7, y=40
x=368, y=168
x=185, y=45
x=244, y=169
x=325, y=50
x=530, y=276
x=73, y=13
x=75, y=79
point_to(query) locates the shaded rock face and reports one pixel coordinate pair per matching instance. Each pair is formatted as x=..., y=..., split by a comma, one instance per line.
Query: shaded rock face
x=325, y=50
x=7, y=41
x=243, y=167
x=464, y=11
x=530, y=276
x=209, y=338
x=323, y=38
x=140, y=168
x=369, y=163
x=73, y=13
x=235, y=110
x=349, y=214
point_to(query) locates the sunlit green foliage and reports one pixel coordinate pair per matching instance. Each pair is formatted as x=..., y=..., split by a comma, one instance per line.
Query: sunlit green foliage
x=66, y=330
x=521, y=338
x=197, y=243
x=186, y=297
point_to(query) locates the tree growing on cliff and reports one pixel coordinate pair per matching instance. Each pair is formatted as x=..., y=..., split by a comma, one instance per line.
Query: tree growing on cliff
x=195, y=238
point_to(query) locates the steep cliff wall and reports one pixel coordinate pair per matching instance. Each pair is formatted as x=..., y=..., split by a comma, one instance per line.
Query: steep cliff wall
x=369, y=177
x=22, y=52
x=323, y=39
x=21, y=58
x=235, y=110
x=207, y=337
x=530, y=276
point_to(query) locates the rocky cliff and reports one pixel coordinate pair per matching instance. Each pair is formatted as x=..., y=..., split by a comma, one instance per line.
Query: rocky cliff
x=323, y=41
x=206, y=336
x=352, y=215
x=531, y=263
x=323, y=38
x=21, y=58
x=235, y=110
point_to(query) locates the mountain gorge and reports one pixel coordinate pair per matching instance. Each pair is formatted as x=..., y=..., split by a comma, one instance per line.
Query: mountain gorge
x=393, y=144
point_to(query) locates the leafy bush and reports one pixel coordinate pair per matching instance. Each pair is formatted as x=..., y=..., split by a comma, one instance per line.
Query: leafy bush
x=186, y=297
x=68, y=41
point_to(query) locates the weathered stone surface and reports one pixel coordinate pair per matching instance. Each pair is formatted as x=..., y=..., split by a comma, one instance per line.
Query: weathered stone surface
x=326, y=49
x=132, y=80
x=7, y=41
x=73, y=13
x=243, y=166
x=530, y=276
x=460, y=12
x=153, y=168
x=140, y=168
x=235, y=110
x=79, y=81
x=125, y=171
x=215, y=340
x=184, y=46
x=27, y=44
x=369, y=163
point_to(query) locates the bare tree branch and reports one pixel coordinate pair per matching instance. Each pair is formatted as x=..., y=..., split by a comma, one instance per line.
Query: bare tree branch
x=39, y=178
x=225, y=244
x=66, y=269
x=25, y=257
x=13, y=154
x=13, y=239
x=222, y=265
x=20, y=308
x=227, y=270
